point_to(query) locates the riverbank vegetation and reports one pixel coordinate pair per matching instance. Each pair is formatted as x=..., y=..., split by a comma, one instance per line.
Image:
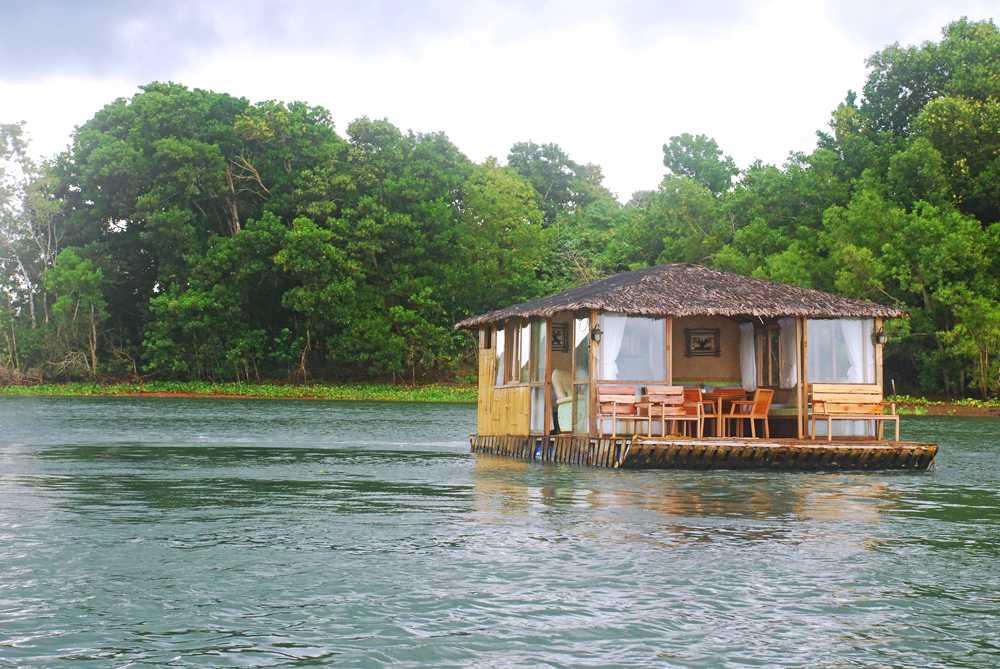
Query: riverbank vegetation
x=380, y=392
x=193, y=235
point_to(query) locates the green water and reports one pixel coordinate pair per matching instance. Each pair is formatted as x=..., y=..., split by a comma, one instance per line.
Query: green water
x=263, y=533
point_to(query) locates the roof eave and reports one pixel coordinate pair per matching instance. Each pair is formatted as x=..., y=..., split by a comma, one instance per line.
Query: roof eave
x=505, y=314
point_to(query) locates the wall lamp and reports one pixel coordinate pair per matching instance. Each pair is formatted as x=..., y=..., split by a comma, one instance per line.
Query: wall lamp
x=596, y=334
x=880, y=337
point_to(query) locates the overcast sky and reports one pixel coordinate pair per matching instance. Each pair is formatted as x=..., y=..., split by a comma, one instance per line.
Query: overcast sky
x=610, y=82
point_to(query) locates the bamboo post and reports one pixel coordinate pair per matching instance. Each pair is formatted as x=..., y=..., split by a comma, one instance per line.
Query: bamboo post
x=878, y=358
x=592, y=400
x=879, y=379
x=799, y=397
x=547, y=380
x=805, y=372
x=669, y=334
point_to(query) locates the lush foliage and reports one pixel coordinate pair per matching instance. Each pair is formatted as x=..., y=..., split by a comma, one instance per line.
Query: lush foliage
x=188, y=234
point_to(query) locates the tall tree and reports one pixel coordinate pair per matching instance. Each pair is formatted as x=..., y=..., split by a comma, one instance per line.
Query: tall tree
x=563, y=185
x=700, y=158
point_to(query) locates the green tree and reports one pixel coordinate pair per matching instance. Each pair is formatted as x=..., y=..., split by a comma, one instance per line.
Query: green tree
x=324, y=282
x=700, y=158
x=976, y=334
x=965, y=136
x=31, y=223
x=902, y=80
x=680, y=222
x=501, y=244
x=79, y=309
x=563, y=185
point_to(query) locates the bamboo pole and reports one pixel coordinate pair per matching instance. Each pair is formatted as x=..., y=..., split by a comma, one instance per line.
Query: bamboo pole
x=592, y=400
x=799, y=394
x=547, y=380
x=805, y=375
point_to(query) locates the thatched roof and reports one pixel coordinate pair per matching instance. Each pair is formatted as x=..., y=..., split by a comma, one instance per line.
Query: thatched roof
x=691, y=290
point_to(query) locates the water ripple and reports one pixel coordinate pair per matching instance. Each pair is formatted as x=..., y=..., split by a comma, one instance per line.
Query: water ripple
x=147, y=533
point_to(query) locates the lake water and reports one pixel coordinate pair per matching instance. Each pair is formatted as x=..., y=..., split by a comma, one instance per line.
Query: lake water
x=161, y=532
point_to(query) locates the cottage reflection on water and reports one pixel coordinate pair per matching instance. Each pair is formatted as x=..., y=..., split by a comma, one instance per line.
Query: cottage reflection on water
x=510, y=486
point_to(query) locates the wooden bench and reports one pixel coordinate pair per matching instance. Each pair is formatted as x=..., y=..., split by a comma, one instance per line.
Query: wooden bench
x=618, y=403
x=841, y=401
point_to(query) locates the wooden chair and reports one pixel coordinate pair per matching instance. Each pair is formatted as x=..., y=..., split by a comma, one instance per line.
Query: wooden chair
x=843, y=401
x=668, y=404
x=752, y=410
x=719, y=396
x=618, y=403
x=695, y=402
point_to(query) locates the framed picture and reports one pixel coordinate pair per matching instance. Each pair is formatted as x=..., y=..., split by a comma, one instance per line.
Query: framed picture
x=560, y=337
x=701, y=341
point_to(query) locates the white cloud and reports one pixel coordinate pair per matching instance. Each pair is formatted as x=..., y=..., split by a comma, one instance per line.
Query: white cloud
x=609, y=91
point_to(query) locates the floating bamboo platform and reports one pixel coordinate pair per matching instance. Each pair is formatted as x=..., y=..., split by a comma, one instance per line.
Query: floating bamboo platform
x=688, y=453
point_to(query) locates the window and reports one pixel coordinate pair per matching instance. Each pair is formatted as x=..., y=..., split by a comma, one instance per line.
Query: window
x=632, y=349
x=499, y=356
x=841, y=351
x=581, y=350
x=769, y=356
x=518, y=355
x=538, y=346
x=581, y=406
x=523, y=353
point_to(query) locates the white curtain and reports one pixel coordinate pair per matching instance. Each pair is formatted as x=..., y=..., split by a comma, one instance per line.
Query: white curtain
x=524, y=341
x=748, y=357
x=582, y=350
x=611, y=344
x=841, y=351
x=538, y=351
x=499, y=353
x=854, y=347
x=789, y=354
x=867, y=330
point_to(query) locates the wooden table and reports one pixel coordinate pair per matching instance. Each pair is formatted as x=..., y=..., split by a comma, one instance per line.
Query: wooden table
x=720, y=395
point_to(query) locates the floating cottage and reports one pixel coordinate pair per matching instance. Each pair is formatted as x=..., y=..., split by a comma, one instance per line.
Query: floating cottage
x=683, y=366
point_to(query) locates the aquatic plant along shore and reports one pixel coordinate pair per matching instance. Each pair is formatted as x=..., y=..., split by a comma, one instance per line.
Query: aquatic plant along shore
x=908, y=405
x=445, y=393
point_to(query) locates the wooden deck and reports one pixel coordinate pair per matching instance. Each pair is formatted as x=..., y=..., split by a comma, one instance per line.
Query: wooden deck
x=733, y=453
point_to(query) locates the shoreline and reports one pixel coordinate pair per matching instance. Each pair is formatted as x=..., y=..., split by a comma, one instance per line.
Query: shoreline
x=434, y=393
x=944, y=408
x=441, y=393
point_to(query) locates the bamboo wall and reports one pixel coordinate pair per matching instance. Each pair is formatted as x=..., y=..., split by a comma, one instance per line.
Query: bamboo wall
x=505, y=410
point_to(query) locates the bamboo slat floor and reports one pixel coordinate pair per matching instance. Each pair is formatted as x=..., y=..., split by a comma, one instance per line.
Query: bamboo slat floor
x=734, y=453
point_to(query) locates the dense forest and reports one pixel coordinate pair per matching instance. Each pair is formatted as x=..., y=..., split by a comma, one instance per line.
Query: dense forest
x=189, y=234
